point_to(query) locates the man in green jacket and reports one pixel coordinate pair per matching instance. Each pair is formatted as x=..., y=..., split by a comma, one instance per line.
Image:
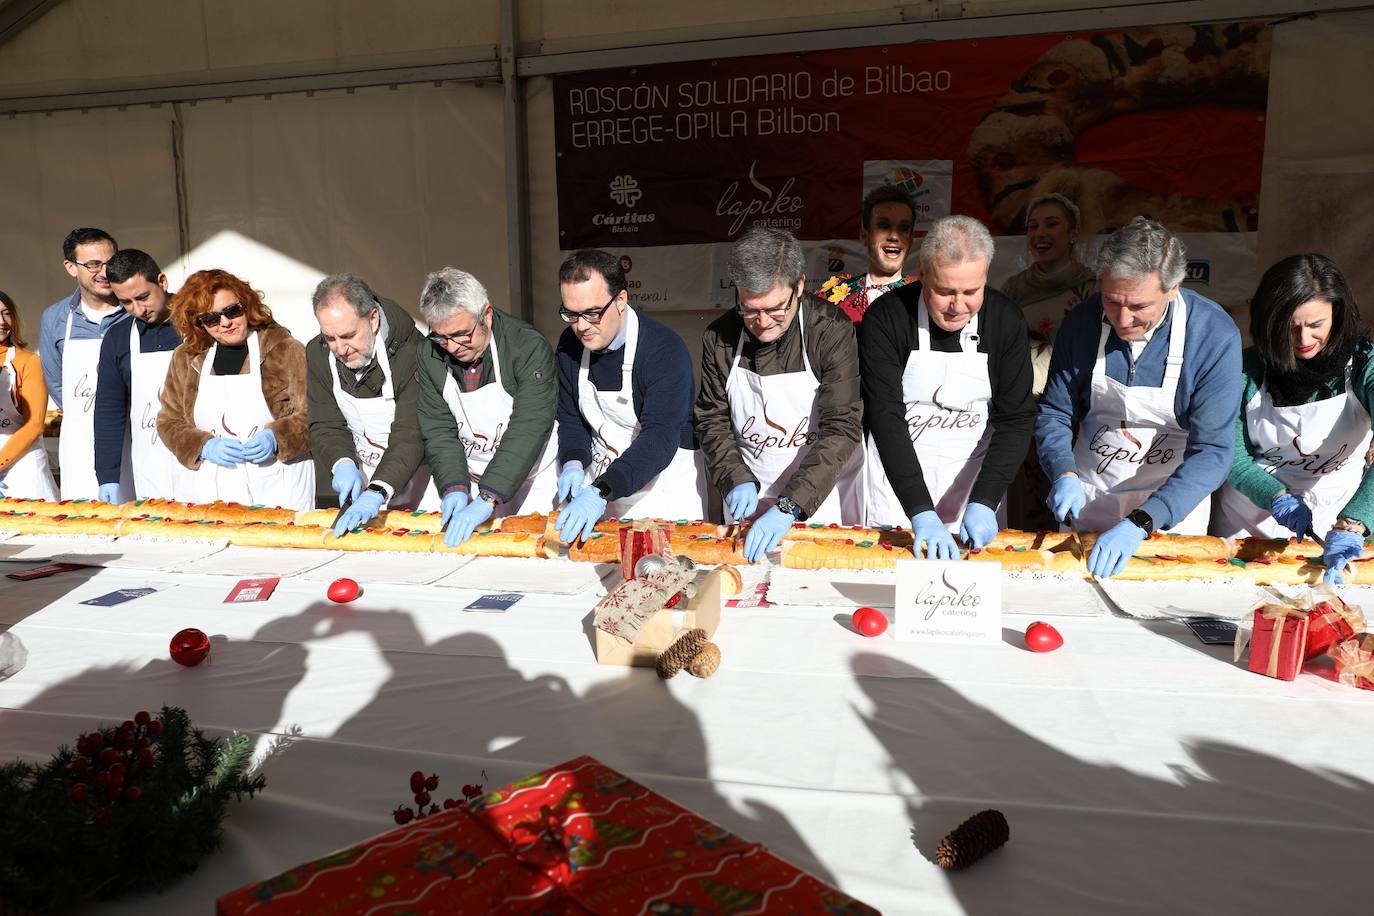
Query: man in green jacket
x=486, y=405
x=361, y=398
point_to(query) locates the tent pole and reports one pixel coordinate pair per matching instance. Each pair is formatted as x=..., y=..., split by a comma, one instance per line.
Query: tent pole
x=517, y=171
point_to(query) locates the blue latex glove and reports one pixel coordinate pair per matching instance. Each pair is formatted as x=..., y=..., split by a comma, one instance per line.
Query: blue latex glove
x=109, y=493
x=979, y=525
x=3, y=486
x=363, y=510
x=579, y=517
x=348, y=482
x=260, y=447
x=466, y=520
x=221, y=451
x=1115, y=548
x=1341, y=548
x=1292, y=513
x=1066, y=498
x=742, y=500
x=765, y=532
x=451, y=505
x=570, y=481
x=929, y=530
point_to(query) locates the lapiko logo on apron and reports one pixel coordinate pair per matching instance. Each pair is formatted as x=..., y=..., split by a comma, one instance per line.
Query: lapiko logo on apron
x=369, y=452
x=85, y=390
x=1137, y=453
x=943, y=417
x=148, y=421
x=1273, y=460
x=951, y=600
x=751, y=441
x=224, y=426
x=602, y=460
x=476, y=443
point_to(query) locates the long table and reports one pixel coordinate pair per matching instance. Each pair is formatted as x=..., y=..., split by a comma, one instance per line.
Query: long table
x=1140, y=771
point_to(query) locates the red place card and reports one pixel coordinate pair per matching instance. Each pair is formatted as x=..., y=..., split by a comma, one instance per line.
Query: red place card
x=252, y=590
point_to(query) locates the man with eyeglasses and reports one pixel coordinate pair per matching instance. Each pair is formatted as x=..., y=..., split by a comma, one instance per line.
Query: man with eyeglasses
x=130, y=459
x=486, y=405
x=947, y=394
x=625, y=440
x=69, y=345
x=779, y=416
x=361, y=395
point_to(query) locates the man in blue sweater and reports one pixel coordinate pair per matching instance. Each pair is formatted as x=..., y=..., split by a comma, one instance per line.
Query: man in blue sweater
x=625, y=386
x=1149, y=374
x=130, y=459
x=69, y=339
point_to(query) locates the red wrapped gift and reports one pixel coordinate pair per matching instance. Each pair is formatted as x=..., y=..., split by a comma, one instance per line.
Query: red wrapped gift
x=576, y=838
x=1330, y=622
x=1355, y=661
x=639, y=539
x=1278, y=641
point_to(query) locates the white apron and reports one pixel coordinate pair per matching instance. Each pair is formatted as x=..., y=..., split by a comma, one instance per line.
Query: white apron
x=369, y=421
x=76, y=441
x=233, y=406
x=1130, y=442
x=482, y=416
x=947, y=397
x=28, y=477
x=155, y=468
x=679, y=491
x=772, y=417
x=1315, y=450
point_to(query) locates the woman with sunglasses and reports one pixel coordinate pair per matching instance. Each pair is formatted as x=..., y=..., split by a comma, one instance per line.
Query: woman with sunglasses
x=234, y=404
x=1303, y=434
x=24, y=470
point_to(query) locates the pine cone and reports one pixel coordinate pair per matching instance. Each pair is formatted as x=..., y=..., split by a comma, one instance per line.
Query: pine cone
x=973, y=839
x=680, y=654
x=706, y=661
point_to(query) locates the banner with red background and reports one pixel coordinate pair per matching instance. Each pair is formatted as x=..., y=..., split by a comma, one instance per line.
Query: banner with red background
x=667, y=164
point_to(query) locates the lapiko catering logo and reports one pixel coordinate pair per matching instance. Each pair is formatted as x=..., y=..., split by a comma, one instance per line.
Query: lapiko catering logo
x=948, y=598
x=761, y=208
x=909, y=180
x=624, y=192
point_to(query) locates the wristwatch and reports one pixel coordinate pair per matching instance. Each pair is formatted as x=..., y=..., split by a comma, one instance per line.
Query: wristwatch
x=785, y=504
x=1141, y=519
x=380, y=491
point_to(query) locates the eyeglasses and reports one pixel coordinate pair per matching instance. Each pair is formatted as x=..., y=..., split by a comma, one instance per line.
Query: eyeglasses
x=213, y=319
x=777, y=313
x=92, y=266
x=591, y=316
x=462, y=337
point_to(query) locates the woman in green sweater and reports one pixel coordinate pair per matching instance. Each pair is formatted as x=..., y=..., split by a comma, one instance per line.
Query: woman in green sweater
x=1304, y=430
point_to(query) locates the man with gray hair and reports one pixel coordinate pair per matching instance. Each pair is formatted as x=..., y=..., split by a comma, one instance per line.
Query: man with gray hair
x=947, y=391
x=1149, y=375
x=360, y=392
x=487, y=399
x=778, y=417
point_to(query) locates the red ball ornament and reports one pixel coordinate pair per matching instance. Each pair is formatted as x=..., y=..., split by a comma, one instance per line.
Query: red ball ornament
x=132, y=793
x=146, y=759
x=108, y=756
x=154, y=728
x=343, y=590
x=80, y=793
x=417, y=781
x=142, y=718
x=1041, y=637
x=869, y=621
x=189, y=647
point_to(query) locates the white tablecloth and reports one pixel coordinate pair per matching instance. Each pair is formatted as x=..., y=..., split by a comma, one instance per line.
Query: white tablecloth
x=1140, y=771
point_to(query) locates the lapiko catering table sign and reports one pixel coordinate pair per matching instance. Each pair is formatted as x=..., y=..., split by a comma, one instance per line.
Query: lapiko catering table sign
x=948, y=602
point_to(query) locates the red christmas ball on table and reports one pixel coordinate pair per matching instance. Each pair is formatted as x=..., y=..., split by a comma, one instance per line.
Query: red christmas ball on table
x=869, y=621
x=1041, y=637
x=190, y=647
x=343, y=590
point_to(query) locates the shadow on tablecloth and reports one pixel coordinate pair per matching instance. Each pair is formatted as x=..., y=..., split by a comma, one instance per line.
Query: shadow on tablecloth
x=1235, y=831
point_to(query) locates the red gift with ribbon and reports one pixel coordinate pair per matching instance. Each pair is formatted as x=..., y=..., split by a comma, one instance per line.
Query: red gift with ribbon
x=1278, y=642
x=1330, y=622
x=639, y=539
x=1355, y=661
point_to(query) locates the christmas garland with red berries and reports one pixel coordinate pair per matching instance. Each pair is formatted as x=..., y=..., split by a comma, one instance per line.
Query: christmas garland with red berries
x=132, y=808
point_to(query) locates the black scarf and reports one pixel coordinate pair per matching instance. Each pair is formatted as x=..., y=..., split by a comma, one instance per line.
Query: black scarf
x=1309, y=375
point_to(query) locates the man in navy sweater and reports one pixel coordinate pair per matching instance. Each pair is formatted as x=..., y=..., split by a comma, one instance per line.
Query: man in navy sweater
x=133, y=365
x=625, y=385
